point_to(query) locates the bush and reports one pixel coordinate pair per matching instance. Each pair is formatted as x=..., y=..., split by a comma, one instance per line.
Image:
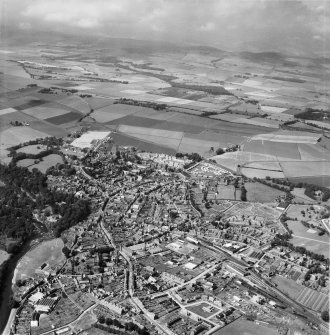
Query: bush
x=325, y=316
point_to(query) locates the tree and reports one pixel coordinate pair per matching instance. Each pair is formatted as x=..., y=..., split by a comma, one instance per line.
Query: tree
x=220, y=151
x=101, y=319
x=325, y=316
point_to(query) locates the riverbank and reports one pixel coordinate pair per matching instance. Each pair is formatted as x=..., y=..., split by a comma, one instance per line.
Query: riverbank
x=6, y=283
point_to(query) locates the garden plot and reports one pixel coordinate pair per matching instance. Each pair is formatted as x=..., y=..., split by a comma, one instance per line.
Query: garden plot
x=86, y=139
x=314, y=300
x=269, y=213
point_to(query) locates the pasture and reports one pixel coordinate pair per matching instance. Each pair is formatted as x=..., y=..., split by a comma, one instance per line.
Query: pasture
x=32, y=149
x=289, y=150
x=245, y=327
x=309, y=238
x=288, y=286
x=46, y=162
x=44, y=112
x=257, y=192
x=306, y=169
x=49, y=252
x=16, y=135
x=198, y=309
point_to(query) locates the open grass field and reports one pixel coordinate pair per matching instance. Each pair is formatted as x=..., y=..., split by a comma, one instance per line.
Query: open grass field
x=112, y=112
x=299, y=196
x=317, y=180
x=47, y=162
x=245, y=327
x=3, y=256
x=313, y=152
x=288, y=286
x=309, y=238
x=16, y=116
x=32, y=149
x=198, y=309
x=44, y=112
x=25, y=162
x=289, y=150
x=49, y=252
x=258, y=192
x=126, y=140
x=261, y=173
x=309, y=212
x=287, y=137
x=314, y=300
x=16, y=135
x=306, y=169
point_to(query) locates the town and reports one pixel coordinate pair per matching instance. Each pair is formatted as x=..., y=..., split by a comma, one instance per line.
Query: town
x=172, y=244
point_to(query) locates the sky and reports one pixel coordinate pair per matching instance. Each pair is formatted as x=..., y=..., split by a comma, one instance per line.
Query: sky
x=227, y=24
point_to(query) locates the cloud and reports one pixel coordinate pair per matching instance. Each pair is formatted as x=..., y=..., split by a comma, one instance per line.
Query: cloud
x=209, y=26
x=223, y=23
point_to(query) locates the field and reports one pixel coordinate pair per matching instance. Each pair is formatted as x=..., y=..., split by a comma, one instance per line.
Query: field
x=245, y=327
x=49, y=252
x=3, y=256
x=288, y=286
x=309, y=238
x=316, y=180
x=32, y=149
x=198, y=309
x=47, y=162
x=300, y=196
x=44, y=112
x=86, y=139
x=16, y=135
x=258, y=192
x=314, y=300
x=64, y=118
x=306, y=169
